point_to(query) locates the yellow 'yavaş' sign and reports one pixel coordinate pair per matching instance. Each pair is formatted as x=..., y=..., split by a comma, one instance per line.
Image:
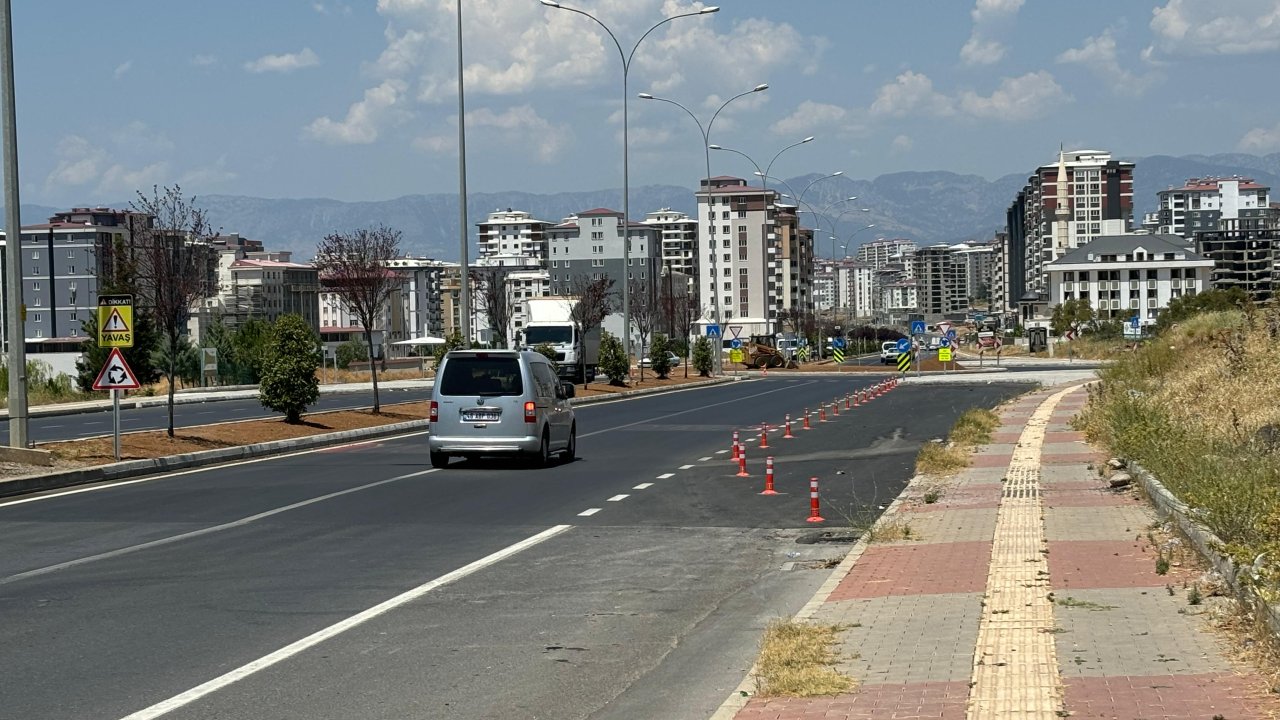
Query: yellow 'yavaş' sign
x=115, y=321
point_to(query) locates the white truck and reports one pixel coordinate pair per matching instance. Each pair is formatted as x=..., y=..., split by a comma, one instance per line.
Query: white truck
x=550, y=323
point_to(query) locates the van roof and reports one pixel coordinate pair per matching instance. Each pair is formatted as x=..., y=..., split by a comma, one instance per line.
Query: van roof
x=495, y=353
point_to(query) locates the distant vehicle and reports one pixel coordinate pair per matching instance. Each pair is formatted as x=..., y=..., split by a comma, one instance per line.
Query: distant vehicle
x=673, y=359
x=888, y=352
x=550, y=323
x=500, y=402
x=935, y=342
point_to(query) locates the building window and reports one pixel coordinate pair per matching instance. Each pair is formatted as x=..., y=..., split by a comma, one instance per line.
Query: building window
x=36, y=317
x=35, y=254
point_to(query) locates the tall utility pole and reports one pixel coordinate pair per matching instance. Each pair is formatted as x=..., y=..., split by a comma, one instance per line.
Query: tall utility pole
x=13, y=248
x=464, y=292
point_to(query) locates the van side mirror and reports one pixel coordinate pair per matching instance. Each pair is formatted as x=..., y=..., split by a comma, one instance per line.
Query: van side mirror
x=566, y=391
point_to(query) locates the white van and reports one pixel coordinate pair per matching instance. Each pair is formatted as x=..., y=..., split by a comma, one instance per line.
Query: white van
x=500, y=402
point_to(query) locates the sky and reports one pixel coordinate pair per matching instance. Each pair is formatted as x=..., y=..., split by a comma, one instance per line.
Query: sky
x=357, y=100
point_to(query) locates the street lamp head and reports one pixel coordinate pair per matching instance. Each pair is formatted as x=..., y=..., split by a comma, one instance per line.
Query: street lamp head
x=871, y=226
x=715, y=147
x=646, y=96
x=760, y=88
x=551, y=3
x=709, y=9
x=808, y=139
x=837, y=173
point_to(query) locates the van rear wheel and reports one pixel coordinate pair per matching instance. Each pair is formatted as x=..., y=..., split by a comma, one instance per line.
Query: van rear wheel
x=439, y=460
x=571, y=450
x=544, y=449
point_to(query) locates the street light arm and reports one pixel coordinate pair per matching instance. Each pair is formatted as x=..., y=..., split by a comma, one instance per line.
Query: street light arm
x=739, y=152
x=626, y=61
x=837, y=173
x=759, y=88
x=635, y=47
x=769, y=167
x=705, y=132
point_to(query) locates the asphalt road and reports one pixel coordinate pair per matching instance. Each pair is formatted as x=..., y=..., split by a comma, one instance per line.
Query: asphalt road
x=356, y=582
x=72, y=427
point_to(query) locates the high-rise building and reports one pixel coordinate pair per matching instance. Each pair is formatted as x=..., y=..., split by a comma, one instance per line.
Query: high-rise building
x=738, y=253
x=513, y=232
x=1063, y=206
x=793, y=282
x=1211, y=204
x=942, y=281
x=590, y=243
x=884, y=251
x=1244, y=259
x=678, y=235
x=423, y=294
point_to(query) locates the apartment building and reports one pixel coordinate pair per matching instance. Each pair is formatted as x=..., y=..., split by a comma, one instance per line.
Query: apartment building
x=898, y=301
x=981, y=261
x=1129, y=275
x=678, y=238
x=846, y=287
x=267, y=285
x=1244, y=259
x=513, y=232
x=793, y=284
x=60, y=277
x=1064, y=205
x=942, y=281
x=742, y=275
x=885, y=251
x=591, y=243
x=339, y=324
x=423, y=294
x=1211, y=204
x=521, y=286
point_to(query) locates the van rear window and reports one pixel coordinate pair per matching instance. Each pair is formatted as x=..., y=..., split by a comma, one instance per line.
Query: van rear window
x=482, y=376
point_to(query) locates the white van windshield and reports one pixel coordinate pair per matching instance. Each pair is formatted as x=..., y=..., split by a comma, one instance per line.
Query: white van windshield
x=482, y=376
x=554, y=334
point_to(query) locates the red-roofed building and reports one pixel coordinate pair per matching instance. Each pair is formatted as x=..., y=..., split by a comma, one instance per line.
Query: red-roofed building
x=1211, y=204
x=266, y=285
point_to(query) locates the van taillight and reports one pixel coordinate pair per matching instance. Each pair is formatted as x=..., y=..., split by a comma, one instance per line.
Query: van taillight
x=530, y=412
x=435, y=411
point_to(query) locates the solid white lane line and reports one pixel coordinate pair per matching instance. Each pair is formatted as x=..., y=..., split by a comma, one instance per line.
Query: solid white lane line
x=665, y=476
x=706, y=458
x=618, y=498
x=210, y=468
x=288, y=651
x=588, y=512
x=643, y=486
x=686, y=467
x=202, y=531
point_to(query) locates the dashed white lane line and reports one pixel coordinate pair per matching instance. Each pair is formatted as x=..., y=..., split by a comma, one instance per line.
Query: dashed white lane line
x=643, y=486
x=686, y=467
x=618, y=498
x=706, y=458
x=721, y=452
x=588, y=512
x=167, y=706
x=665, y=476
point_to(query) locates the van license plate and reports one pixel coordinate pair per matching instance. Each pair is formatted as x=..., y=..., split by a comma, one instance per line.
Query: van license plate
x=481, y=416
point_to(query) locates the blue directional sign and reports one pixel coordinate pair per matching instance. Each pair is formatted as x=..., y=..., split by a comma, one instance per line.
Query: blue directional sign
x=735, y=343
x=944, y=342
x=903, y=345
x=917, y=327
x=713, y=331
x=951, y=335
x=1134, y=322
x=838, y=343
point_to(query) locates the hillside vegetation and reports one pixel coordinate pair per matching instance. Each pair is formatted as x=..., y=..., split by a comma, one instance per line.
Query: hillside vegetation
x=1197, y=406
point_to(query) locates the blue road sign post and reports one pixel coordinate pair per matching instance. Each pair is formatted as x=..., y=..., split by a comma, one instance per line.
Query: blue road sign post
x=838, y=343
x=917, y=327
x=945, y=342
x=736, y=344
x=904, y=345
x=713, y=331
x=952, y=335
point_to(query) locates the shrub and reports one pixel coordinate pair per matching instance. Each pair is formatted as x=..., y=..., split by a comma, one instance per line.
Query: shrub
x=289, y=382
x=613, y=361
x=658, y=358
x=349, y=352
x=702, y=360
x=548, y=351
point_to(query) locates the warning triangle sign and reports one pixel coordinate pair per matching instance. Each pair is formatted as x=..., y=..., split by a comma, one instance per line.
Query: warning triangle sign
x=115, y=374
x=115, y=322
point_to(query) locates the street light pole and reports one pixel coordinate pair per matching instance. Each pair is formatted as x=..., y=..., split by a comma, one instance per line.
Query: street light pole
x=706, y=149
x=626, y=154
x=464, y=290
x=16, y=335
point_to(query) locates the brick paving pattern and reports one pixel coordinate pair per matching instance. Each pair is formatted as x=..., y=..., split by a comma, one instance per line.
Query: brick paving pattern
x=1122, y=641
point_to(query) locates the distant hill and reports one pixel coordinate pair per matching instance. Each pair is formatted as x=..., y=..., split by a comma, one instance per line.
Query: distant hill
x=929, y=207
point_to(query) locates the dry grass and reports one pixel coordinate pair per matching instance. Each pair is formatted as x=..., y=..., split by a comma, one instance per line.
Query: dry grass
x=941, y=459
x=974, y=427
x=971, y=429
x=796, y=660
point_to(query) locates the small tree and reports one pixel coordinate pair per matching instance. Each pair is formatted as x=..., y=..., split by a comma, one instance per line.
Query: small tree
x=252, y=343
x=613, y=361
x=494, y=300
x=548, y=351
x=349, y=352
x=702, y=361
x=658, y=356
x=354, y=266
x=685, y=315
x=594, y=302
x=644, y=314
x=175, y=266
x=184, y=358
x=289, y=382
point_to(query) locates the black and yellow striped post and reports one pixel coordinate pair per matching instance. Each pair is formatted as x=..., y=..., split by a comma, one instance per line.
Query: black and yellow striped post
x=838, y=354
x=904, y=362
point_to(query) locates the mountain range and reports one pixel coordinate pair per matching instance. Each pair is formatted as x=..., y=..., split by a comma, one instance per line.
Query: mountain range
x=929, y=207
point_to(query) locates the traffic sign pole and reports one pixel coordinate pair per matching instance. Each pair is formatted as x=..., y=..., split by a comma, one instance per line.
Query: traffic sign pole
x=115, y=421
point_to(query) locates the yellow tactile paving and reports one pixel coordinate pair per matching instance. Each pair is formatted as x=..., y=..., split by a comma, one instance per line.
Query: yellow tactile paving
x=1015, y=669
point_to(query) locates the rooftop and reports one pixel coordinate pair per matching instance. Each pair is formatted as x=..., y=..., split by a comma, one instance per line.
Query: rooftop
x=1157, y=244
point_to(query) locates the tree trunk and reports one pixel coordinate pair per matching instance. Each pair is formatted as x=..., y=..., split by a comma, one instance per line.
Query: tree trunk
x=373, y=371
x=173, y=361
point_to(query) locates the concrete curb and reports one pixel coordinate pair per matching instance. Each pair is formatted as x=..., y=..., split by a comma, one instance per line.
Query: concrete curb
x=1207, y=544
x=136, y=468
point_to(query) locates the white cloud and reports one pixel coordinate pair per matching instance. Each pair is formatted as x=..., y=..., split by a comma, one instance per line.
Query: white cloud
x=204, y=60
x=989, y=18
x=809, y=116
x=1238, y=27
x=208, y=175
x=1261, y=140
x=121, y=179
x=331, y=9
x=518, y=127
x=1099, y=55
x=122, y=69
x=136, y=137
x=79, y=163
x=902, y=143
x=1022, y=98
x=981, y=52
x=911, y=92
x=360, y=127
x=286, y=63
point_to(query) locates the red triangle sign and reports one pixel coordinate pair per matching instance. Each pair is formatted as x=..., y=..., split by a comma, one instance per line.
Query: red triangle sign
x=115, y=374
